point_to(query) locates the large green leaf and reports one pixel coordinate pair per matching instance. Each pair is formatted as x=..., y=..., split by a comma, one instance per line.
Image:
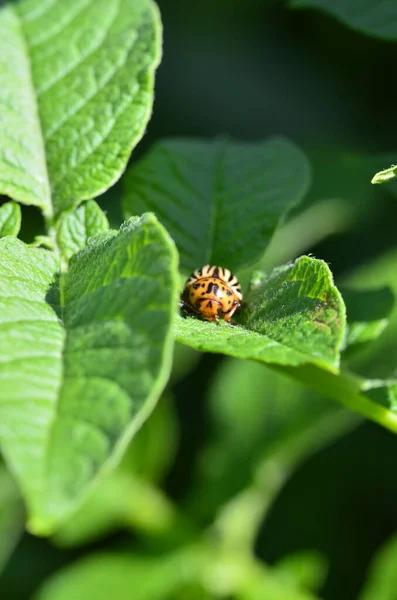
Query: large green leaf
x=83, y=358
x=374, y=18
x=86, y=70
x=294, y=316
x=220, y=201
x=10, y=219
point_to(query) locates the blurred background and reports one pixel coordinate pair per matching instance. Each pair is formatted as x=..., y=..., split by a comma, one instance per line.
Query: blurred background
x=249, y=70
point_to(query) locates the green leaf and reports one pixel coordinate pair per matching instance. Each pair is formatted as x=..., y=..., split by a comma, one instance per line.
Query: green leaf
x=220, y=201
x=377, y=19
x=385, y=175
x=294, y=316
x=368, y=313
x=381, y=581
x=10, y=219
x=120, y=577
x=126, y=497
x=87, y=71
x=84, y=359
x=76, y=227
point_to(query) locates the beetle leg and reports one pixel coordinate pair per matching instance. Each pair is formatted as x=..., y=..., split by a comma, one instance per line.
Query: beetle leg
x=231, y=312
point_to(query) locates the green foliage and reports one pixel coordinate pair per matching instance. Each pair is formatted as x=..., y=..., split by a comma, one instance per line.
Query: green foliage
x=92, y=378
x=196, y=187
x=78, y=226
x=86, y=69
x=373, y=18
x=89, y=315
x=10, y=219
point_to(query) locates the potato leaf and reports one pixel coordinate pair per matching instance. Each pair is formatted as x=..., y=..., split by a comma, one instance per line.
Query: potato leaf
x=220, y=201
x=87, y=69
x=84, y=357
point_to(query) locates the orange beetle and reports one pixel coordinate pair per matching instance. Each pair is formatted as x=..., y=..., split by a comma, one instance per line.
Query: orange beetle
x=212, y=293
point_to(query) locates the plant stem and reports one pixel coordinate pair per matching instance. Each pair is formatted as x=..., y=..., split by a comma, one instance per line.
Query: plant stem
x=348, y=390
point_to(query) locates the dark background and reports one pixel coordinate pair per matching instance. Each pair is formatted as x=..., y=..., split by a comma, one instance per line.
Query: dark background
x=250, y=70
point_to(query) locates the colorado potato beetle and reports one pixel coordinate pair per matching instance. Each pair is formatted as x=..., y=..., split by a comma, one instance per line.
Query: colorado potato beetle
x=212, y=293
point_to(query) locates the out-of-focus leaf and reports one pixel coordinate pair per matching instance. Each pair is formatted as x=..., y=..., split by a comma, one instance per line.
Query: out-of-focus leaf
x=368, y=313
x=121, y=577
x=304, y=230
x=76, y=227
x=152, y=451
x=381, y=580
x=120, y=501
x=10, y=219
x=86, y=70
x=264, y=422
x=266, y=583
x=305, y=569
x=378, y=359
x=220, y=201
x=378, y=18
